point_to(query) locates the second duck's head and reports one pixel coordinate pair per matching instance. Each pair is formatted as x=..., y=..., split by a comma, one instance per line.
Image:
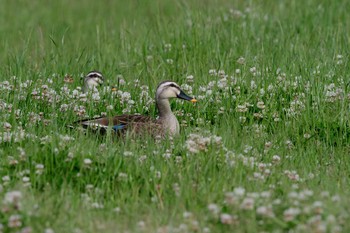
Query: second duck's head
x=170, y=89
x=93, y=79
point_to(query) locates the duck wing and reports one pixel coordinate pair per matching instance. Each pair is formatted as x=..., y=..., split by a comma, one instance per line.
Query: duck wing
x=119, y=123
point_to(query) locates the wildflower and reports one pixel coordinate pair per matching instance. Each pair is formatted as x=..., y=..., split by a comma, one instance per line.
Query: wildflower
x=96, y=96
x=25, y=179
x=247, y=203
x=196, y=143
x=167, y=154
x=265, y=211
x=169, y=61
x=122, y=176
x=253, y=85
x=241, y=60
x=13, y=198
x=49, y=230
x=7, y=127
x=317, y=207
x=290, y=214
x=253, y=70
x=214, y=209
x=167, y=47
x=226, y=219
x=14, y=221
x=117, y=210
x=292, y=175
x=212, y=72
x=26, y=230
x=242, y=119
x=262, y=92
x=190, y=79
x=83, y=97
x=261, y=105
x=187, y=215
x=141, y=225
x=87, y=162
x=222, y=83
x=6, y=178
x=96, y=205
x=239, y=191
x=276, y=159
x=187, y=88
x=128, y=154
x=176, y=189
x=242, y=108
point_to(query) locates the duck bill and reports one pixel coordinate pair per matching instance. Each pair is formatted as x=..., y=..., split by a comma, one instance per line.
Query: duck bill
x=183, y=96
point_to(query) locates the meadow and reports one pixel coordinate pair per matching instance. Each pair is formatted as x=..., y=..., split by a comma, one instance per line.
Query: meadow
x=265, y=148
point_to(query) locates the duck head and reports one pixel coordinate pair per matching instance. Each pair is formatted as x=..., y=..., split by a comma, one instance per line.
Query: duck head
x=93, y=79
x=169, y=89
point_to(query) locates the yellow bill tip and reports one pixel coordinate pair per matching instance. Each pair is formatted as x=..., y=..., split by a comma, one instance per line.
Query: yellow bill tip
x=193, y=100
x=114, y=89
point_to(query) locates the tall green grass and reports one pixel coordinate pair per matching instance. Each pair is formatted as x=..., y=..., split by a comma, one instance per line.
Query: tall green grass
x=294, y=52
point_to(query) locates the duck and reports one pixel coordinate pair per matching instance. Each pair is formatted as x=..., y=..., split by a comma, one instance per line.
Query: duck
x=166, y=124
x=92, y=80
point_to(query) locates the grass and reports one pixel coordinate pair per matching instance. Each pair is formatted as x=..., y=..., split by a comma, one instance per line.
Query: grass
x=265, y=148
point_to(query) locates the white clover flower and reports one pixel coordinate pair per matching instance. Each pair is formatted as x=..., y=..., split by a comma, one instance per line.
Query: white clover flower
x=276, y=159
x=122, y=176
x=212, y=72
x=265, y=211
x=167, y=154
x=222, y=83
x=261, y=105
x=13, y=198
x=187, y=88
x=214, y=208
x=25, y=179
x=247, y=203
x=239, y=192
x=141, y=224
x=83, y=97
x=87, y=162
x=125, y=97
x=187, y=215
x=7, y=126
x=49, y=230
x=262, y=92
x=190, y=79
x=241, y=60
x=226, y=219
x=290, y=214
x=167, y=47
x=6, y=178
x=122, y=81
x=14, y=221
x=96, y=205
x=64, y=107
x=96, y=96
x=128, y=153
x=176, y=189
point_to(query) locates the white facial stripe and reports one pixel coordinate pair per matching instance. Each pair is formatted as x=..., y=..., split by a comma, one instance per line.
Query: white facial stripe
x=168, y=84
x=94, y=74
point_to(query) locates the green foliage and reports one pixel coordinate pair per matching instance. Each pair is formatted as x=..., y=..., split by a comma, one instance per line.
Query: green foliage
x=265, y=148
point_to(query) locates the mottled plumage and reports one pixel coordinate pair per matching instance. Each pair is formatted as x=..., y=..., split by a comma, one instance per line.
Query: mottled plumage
x=138, y=125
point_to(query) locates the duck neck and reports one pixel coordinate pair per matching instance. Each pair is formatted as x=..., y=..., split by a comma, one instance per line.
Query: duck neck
x=164, y=109
x=167, y=117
